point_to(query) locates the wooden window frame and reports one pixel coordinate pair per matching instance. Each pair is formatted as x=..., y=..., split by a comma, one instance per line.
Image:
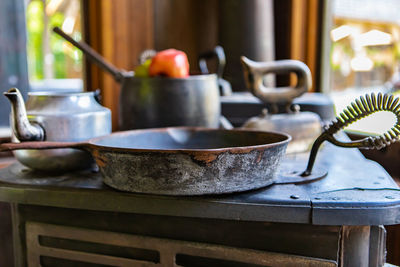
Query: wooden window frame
x=115, y=30
x=307, y=24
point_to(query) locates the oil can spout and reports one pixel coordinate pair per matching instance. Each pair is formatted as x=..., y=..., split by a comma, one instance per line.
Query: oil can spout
x=22, y=128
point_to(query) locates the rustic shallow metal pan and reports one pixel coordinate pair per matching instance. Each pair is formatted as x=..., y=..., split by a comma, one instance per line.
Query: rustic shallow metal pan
x=182, y=160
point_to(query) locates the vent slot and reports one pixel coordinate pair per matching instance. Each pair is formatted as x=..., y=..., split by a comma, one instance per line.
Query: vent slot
x=102, y=249
x=57, y=262
x=196, y=261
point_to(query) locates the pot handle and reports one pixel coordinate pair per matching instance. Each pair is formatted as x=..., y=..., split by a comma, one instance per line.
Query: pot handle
x=359, y=109
x=219, y=54
x=94, y=56
x=41, y=145
x=255, y=71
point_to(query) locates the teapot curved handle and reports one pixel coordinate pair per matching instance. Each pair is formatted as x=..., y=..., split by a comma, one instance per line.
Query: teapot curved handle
x=255, y=71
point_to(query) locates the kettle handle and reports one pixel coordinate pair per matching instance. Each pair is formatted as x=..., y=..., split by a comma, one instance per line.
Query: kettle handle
x=255, y=71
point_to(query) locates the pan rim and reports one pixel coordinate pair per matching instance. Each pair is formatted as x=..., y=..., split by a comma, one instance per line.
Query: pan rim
x=240, y=149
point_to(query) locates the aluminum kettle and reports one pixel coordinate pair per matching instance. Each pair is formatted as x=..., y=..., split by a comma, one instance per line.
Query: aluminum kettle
x=49, y=116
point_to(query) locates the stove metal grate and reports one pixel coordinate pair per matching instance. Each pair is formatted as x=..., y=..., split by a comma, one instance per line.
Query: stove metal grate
x=51, y=245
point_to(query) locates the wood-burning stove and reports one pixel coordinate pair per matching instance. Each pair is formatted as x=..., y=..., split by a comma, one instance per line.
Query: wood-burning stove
x=75, y=219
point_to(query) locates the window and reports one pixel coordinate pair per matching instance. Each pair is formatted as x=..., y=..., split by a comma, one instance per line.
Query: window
x=364, y=55
x=53, y=63
x=32, y=57
x=13, y=68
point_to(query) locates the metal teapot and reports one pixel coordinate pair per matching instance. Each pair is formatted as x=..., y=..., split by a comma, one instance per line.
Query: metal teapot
x=49, y=116
x=303, y=126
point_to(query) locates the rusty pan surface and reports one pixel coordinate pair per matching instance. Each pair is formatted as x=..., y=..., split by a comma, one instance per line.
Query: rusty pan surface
x=189, y=161
x=182, y=160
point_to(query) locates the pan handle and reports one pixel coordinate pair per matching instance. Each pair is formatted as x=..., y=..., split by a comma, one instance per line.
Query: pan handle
x=93, y=55
x=41, y=145
x=359, y=109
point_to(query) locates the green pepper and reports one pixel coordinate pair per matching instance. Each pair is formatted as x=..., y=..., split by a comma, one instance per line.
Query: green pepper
x=143, y=70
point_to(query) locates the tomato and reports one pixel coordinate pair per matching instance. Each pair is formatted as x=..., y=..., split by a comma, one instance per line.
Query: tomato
x=171, y=63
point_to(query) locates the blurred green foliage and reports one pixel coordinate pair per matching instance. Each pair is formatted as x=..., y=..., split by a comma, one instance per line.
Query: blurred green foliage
x=34, y=25
x=66, y=60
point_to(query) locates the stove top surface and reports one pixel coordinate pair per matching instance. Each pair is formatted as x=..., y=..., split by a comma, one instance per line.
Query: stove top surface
x=356, y=191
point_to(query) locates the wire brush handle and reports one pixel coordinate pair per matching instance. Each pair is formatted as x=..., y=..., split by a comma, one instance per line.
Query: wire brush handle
x=357, y=110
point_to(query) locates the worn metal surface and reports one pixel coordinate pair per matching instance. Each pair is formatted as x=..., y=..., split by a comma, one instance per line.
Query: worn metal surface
x=356, y=191
x=303, y=127
x=189, y=161
x=130, y=236
x=240, y=106
x=22, y=175
x=355, y=246
x=377, y=246
x=162, y=101
x=182, y=160
x=298, y=239
x=57, y=117
x=149, y=251
x=186, y=174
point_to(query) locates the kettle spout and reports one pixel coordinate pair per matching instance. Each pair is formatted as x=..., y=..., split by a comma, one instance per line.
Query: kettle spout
x=22, y=128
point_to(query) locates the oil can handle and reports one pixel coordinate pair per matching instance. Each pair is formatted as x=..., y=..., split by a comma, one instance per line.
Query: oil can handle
x=359, y=109
x=255, y=71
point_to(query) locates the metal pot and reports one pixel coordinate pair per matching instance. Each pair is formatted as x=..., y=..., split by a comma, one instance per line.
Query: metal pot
x=59, y=117
x=160, y=101
x=182, y=160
